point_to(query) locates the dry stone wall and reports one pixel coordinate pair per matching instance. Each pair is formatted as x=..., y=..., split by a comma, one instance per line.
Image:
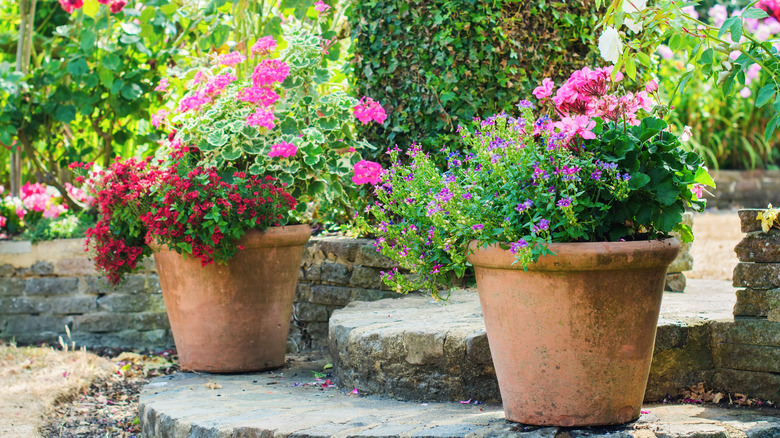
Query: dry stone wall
x=50, y=285
x=744, y=189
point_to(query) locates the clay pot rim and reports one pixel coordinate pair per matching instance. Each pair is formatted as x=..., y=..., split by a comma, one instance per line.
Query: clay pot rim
x=285, y=235
x=583, y=256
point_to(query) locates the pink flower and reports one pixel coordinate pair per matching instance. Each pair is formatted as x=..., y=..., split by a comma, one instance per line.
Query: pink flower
x=270, y=71
x=71, y=5
x=665, y=52
x=159, y=117
x=232, y=58
x=368, y=110
x=260, y=95
x=104, y=2
x=193, y=102
x=3, y=221
x=117, y=6
x=651, y=86
x=321, y=7
x=545, y=90
x=218, y=83
x=745, y=92
x=54, y=210
x=367, y=172
x=198, y=78
x=261, y=117
x=79, y=195
x=752, y=73
x=579, y=125
x=162, y=86
x=283, y=149
x=263, y=46
x=697, y=190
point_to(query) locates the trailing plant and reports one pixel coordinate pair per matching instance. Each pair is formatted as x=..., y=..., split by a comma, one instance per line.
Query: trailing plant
x=435, y=65
x=596, y=172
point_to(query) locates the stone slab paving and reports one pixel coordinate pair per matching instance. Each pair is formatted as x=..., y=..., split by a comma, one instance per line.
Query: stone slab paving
x=290, y=403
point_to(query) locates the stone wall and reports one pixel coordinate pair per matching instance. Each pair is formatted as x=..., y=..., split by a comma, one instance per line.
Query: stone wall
x=51, y=285
x=48, y=286
x=744, y=189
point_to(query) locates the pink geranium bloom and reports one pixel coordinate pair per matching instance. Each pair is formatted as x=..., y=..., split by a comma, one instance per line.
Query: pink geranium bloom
x=218, y=83
x=368, y=110
x=71, y=5
x=283, y=149
x=162, y=86
x=3, y=221
x=260, y=95
x=651, y=86
x=54, y=210
x=159, y=117
x=367, y=172
x=270, y=71
x=578, y=125
x=232, y=58
x=193, y=102
x=545, y=90
x=261, y=117
x=117, y=6
x=321, y=7
x=263, y=46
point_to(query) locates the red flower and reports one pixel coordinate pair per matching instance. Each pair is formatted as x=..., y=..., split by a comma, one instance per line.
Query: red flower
x=71, y=5
x=118, y=5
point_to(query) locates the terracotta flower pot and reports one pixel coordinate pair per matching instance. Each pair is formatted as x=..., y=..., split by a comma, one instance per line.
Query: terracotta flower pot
x=234, y=317
x=572, y=337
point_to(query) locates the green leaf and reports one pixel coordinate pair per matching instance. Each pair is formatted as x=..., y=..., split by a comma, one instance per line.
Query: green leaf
x=765, y=94
x=726, y=26
x=707, y=56
x=321, y=76
x=185, y=246
x=129, y=39
x=231, y=152
x=316, y=187
x=666, y=192
x=755, y=13
x=314, y=135
x=770, y=127
x=78, y=67
x=87, y=40
x=256, y=169
x=65, y=113
x=217, y=138
x=668, y=219
x=644, y=59
x=131, y=91
x=638, y=180
x=736, y=30
x=112, y=62
x=130, y=28
x=630, y=68
x=703, y=177
x=106, y=77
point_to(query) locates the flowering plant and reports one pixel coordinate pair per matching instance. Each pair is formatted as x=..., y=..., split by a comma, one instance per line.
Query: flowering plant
x=598, y=172
x=189, y=208
x=40, y=212
x=275, y=113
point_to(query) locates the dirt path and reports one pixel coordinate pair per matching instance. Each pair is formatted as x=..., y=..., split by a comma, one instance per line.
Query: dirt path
x=34, y=379
x=716, y=234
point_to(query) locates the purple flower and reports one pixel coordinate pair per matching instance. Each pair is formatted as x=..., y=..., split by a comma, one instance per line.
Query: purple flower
x=516, y=246
x=596, y=175
x=543, y=225
x=524, y=104
x=436, y=268
x=524, y=206
x=477, y=227
x=466, y=195
x=626, y=177
x=565, y=202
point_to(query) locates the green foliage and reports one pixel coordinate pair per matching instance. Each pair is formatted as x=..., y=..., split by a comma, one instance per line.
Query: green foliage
x=64, y=227
x=435, y=65
x=313, y=114
x=523, y=192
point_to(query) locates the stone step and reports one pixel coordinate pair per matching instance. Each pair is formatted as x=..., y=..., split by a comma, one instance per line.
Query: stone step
x=289, y=402
x=418, y=349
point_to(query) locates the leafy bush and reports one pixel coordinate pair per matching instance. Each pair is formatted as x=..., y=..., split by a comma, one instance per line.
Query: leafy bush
x=437, y=64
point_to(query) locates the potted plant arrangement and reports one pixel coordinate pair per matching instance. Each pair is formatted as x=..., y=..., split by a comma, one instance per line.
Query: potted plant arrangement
x=567, y=222
x=244, y=159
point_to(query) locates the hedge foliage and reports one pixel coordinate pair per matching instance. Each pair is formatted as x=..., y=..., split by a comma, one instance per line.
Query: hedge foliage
x=436, y=63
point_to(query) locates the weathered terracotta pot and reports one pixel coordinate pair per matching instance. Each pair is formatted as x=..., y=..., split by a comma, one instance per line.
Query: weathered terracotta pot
x=572, y=337
x=234, y=317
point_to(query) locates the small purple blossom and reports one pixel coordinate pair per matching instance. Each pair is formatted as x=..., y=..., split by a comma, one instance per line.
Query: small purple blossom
x=524, y=104
x=524, y=205
x=596, y=175
x=516, y=246
x=477, y=227
x=565, y=202
x=466, y=196
x=626, y=177
x=544, y=224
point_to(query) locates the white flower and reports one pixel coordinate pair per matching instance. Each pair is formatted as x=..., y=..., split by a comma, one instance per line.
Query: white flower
x=631, y=6
x=686, y=134
x=610, y=45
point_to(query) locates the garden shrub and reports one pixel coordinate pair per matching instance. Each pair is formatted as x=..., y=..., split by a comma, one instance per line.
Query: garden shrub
x=438, y=63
